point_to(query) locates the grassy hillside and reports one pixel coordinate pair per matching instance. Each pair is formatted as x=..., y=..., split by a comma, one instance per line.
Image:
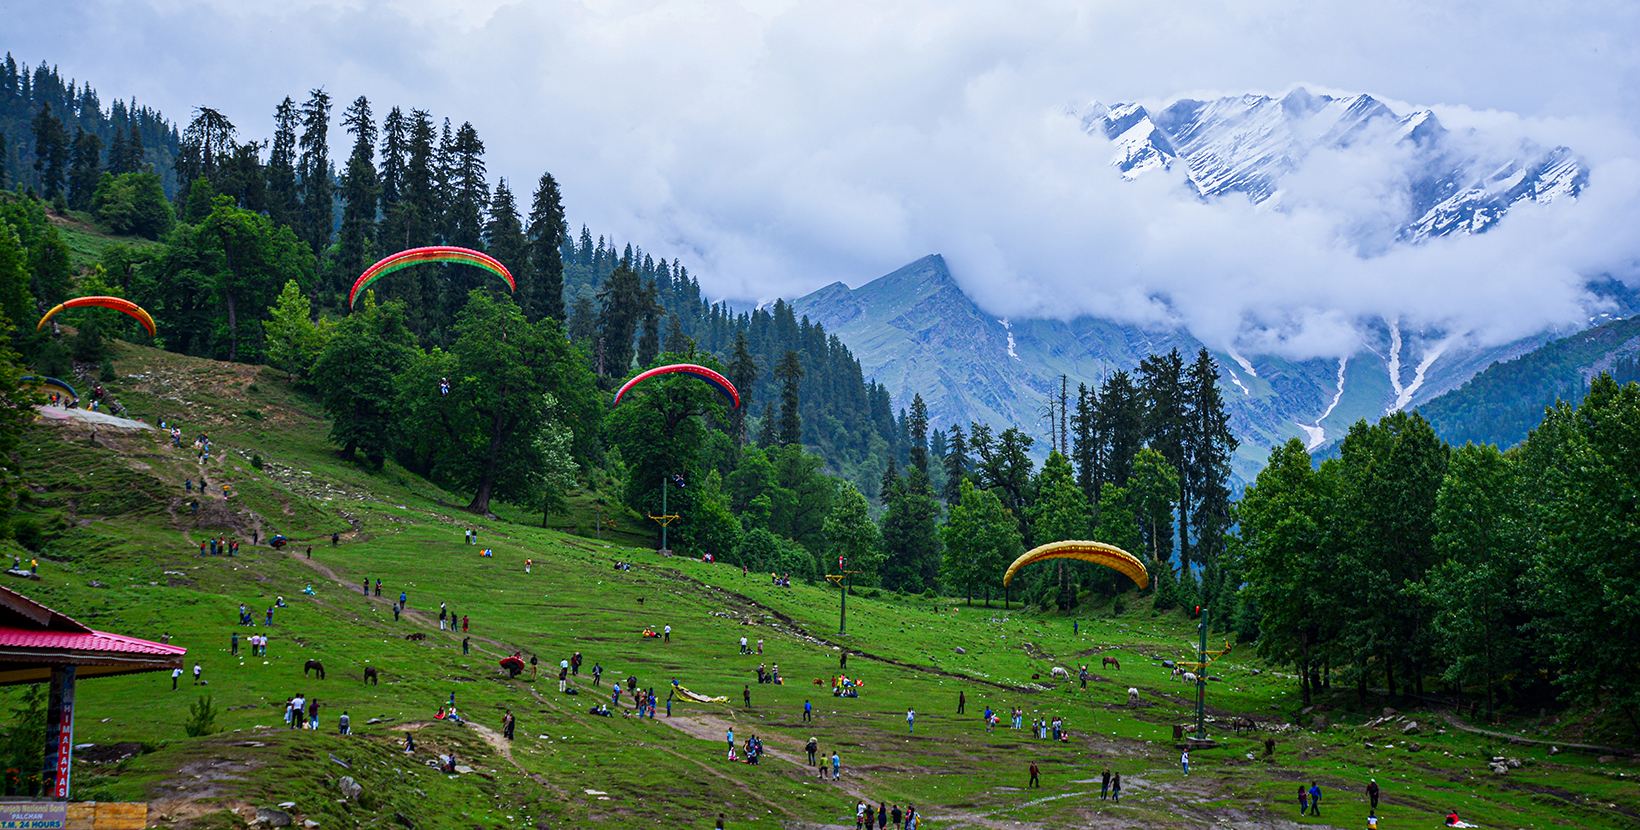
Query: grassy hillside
x=119, y=550
x=1505, y=402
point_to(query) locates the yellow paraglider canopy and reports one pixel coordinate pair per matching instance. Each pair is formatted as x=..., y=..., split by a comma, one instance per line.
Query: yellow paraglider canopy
x=1110, y=556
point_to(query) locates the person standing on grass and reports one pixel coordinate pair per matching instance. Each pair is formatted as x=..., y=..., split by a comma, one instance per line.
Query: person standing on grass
x=1315, y=798
x=1184, y=761
x=836, y=765
x=1116, y=788
x=719, y=822
x=1303, y=799
x=466, y=644
x=233, y=644
x=344, y=725
x=962, y=701
x=175, y=674
x=1372, y=797
x=667, y=634
x=1104, y=784
x=198, y=669
x=894, y=816
x=395, y=612
x=747, y=694
x=403, y=600
x=808, y=713
x=367, y=586
x=1036, y=777
x=910, y=720
x=507, y=725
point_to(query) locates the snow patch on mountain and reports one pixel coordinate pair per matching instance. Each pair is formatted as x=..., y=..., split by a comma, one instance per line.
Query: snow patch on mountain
x=1449, y=182
x=1010, y=330
x=1244, y=363
x=1318, y=434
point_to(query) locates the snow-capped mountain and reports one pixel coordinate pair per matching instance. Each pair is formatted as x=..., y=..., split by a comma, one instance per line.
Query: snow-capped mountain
x=1449, y=183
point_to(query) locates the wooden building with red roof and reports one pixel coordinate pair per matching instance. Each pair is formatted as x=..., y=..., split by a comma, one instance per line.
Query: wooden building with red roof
x=39, y=645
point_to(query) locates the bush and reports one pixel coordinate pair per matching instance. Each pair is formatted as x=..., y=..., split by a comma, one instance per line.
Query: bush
x=256, y=461
x=201, y=718
x=254, y=414
x=108, y=373
x=1118, y=607
x=28, y=534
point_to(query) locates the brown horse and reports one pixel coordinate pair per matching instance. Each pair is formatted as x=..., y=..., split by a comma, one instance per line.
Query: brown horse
x=370, y=675
x=315, y=666
x=1109, y=661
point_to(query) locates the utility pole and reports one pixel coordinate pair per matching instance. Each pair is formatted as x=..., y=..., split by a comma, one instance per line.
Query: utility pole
x=841, y=578
x=664, y=519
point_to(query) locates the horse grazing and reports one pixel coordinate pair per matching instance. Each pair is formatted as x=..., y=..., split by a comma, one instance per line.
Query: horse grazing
x=315, y=666
x=419, y=635
x=1105, y=662
x=370, y=675
x=1244, y=724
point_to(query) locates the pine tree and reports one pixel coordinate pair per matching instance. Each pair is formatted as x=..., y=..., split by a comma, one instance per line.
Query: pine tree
x=467, y=191
x=284, y=203
x=85, y=169
x=313, y=172
x=1209, y=445
x=676, y=341
x=504, y=235
x=360, y=191
x=1161, y=379
x=743, y=374
x=789, y=371
x=545, y=295
x=1087, y=446
x=649, y=341
x=917, y=434
x=622, y=303
x=50, y=152
x=1121, y=426
x=956, y=465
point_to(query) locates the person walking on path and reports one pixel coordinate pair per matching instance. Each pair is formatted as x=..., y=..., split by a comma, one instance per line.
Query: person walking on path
x=175, y=673
x=1116, y=788
x=962, y=701
x=910, y=720
x=378, y=587
x=507, y=725
x=1184, y=761
x=197, y=670
x=728, y=735
x=894, y=817
x=367, y=586
x=466, y=644
x=233, y=644
x=811, y=747
x=808, y=713
x=1036, y=777
x=747, y=694
x=1104, y=784
x=1303, y=799
x=836, y=765
x=1315, y=798
x=403, y=600
x=666, y=633
x=1372, y=797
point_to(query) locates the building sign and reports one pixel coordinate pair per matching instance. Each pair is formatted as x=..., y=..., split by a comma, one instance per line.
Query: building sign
x=59, y=731
x=15, y=816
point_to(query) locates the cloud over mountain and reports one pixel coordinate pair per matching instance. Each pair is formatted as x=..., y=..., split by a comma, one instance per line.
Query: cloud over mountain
x=776, y=146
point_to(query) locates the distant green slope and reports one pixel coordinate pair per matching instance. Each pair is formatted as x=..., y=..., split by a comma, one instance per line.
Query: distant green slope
x=1505, y=402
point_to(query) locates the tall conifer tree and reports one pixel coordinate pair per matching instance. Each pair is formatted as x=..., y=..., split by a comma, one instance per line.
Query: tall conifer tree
x=545, y=295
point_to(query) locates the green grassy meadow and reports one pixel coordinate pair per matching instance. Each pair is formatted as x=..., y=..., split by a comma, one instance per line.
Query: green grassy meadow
x=121, y=554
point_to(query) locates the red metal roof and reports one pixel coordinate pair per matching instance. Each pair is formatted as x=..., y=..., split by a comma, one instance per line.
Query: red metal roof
x=84, y=641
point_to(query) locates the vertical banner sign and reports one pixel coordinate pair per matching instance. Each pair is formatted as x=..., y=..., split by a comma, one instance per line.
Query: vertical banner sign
x=59, y=732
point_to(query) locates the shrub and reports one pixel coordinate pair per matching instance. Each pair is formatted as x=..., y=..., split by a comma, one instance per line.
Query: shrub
x=254, y=414
x=201, y=718
x=27, y=533
x=256, y=461
x=108, y=373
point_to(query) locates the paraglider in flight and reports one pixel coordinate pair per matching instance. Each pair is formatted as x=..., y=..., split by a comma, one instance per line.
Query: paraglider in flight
x=1098, y=552
x=435, y=253
x=720, y=382
x=116, y=303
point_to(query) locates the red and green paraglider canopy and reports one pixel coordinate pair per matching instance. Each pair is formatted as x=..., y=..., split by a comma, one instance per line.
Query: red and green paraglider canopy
x=434, y=253
x=720, y=382
x=116, y=303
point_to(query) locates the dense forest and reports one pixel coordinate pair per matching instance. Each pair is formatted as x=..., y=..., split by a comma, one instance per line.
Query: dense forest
x=1399, y=563
x=1502, y=404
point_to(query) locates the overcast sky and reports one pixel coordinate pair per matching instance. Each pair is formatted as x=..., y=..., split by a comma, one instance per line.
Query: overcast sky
x=777, y=146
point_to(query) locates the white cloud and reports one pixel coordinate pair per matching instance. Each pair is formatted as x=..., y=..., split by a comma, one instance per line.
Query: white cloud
x=775, y=146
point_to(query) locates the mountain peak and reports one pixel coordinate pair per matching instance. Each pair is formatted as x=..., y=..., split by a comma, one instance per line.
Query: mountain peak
x=1247, y=143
